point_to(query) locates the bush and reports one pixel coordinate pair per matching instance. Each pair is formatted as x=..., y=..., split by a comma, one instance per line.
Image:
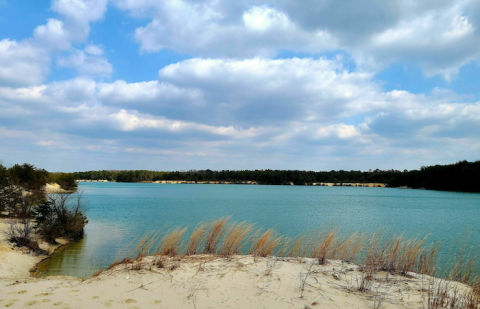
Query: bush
x=21, y=234
x=61, y=215
x=65, y=180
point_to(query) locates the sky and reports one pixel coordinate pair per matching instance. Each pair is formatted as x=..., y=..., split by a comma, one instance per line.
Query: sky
x=247, y=84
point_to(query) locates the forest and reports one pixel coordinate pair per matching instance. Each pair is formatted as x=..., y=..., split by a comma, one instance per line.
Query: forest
x=462, y=176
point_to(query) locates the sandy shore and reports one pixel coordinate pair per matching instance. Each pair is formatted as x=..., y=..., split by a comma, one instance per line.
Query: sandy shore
x=17, y=262
x=52, y=188
x=206, y=281
x=216, y=282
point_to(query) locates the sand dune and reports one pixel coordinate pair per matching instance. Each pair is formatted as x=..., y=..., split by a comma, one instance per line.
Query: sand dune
x=208, y=281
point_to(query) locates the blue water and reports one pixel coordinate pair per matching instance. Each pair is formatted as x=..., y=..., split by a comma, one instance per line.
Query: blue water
x=121, y=212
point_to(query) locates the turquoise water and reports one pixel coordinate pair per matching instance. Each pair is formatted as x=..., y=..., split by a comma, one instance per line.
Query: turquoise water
x=121, y=212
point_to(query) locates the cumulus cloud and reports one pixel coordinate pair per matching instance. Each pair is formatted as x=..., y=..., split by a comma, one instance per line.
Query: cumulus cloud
x=27, y=62
x=87, y=62
x=214, y=28
x=22, y=63
x=273, y=110
x=52, y=35
x=441, y=36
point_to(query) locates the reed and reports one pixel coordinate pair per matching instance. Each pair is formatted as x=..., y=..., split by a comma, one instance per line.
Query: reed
x=347, y=248
x=145, y=244
x=409, y=257
x=266, y=244
x=321, y=248
x=195, y=237
x=170, y=244
x=216, y=229
x=464, y=267
x=373, y=252
x=236, y=236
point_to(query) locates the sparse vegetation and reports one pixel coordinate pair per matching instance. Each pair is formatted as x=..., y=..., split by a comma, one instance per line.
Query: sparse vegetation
x=376, y=254
x=32, y=213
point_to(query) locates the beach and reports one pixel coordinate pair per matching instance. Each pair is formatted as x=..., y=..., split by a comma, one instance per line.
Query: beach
x=212, y=281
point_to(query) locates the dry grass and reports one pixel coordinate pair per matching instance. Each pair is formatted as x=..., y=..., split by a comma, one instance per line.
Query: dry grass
x=464, y=267
x=410, y=255
x=195, y=237
x=298, y=248
x=235, y=238
x=170, y=244
x=321, y=248
x=216, y=229
x=266, y=244
x=373, y=252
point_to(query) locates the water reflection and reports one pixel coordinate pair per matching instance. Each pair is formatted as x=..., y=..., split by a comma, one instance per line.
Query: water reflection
x=82, y=258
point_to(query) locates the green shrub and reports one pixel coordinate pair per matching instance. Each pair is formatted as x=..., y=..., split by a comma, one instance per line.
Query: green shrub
x=61, y=215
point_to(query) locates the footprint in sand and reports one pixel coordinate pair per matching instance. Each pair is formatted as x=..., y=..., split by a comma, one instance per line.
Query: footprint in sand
x=22, y=292
x=95, y=297
x=157, y=301
x=58, y=304
x=10, y=303
x=45, y=300
x=130, y=301
x=31, y=303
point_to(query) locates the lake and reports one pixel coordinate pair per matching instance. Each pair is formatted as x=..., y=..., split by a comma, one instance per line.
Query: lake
x=121, y=212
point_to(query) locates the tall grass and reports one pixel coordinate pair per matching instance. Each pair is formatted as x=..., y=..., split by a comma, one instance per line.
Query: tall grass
x=236, y=236
x=216, y=229
x=266, y=244
x=170, y=244
x=373, y=252
x=195, y=237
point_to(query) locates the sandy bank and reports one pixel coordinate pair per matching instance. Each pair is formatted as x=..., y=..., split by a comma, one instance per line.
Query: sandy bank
x=17, y=262
x=52, y=188
x=216, y=282
x=209, y=281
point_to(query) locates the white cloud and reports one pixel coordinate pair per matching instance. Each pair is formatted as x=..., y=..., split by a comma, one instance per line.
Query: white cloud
x=263, y=18
x=87, y=63
x=277, y=109
x=52, y=35
x=94, y=50
x=206, y=29
x=440, y=36
x=22, y=63
x=27, y=62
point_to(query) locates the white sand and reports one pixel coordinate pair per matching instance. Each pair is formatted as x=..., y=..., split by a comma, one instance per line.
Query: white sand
x=17, y=262
x=54, y=188
x=207, y=282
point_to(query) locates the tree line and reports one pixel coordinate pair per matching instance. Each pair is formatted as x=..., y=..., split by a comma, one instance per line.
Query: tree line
x=462, y=176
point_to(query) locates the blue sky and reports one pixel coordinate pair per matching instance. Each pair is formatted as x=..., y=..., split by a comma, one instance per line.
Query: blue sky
x=195, y=84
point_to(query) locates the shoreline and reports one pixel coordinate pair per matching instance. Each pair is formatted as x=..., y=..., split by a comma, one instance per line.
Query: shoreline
x=240, y=281
x=317, y=184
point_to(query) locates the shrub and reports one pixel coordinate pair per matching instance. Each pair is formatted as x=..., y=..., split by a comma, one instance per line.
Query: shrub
x=21, y=234
x=61, y=215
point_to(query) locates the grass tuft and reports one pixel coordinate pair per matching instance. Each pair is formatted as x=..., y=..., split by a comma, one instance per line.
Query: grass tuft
x=216, y=229
x=236, y=236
